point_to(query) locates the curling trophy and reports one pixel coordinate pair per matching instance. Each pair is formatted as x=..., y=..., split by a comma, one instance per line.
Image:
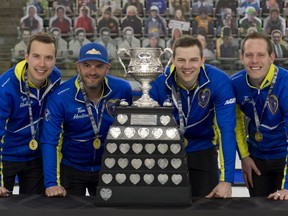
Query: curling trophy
x=144, y=161
x=144, y=66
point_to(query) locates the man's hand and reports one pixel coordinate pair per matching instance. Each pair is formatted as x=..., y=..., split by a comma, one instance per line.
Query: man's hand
x=55, y=191
x=222, y=190
x=4, y=192
x=279, y=195
x=248, y=166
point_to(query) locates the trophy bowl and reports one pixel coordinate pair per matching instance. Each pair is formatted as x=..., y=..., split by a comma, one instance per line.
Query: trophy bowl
x=144, y=67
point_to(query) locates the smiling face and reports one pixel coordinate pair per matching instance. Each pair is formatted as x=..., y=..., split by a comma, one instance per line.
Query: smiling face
x=92, y=74
x=188, y=62
x=41, y=60
x=256, y=60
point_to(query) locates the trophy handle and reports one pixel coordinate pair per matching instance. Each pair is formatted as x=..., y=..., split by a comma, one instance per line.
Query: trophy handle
x=170, y=59
x=122, y=50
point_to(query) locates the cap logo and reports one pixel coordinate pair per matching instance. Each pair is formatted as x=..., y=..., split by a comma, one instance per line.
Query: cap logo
x=93, y=52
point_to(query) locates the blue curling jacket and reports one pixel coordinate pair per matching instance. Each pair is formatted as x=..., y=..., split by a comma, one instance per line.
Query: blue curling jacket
x=212, y=98
x=68, y=135
x=274, y=121
x=15, y=128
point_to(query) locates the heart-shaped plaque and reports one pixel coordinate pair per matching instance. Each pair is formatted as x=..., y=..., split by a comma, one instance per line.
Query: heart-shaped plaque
x=143, y=132
x=175, y=148
x=134, y=178
x=157, y=132
x=150, y=148
x=149, y=163
x=165, y=119
x=176, y=179
x=107, y=178
x=162, y=148
x=122, y=118
x=137, y=147
x=124, y=147
x=162, y=163
x=105, y=193
x=111, y=147
x=123, y=162
x=115, y=132
x=162, y=178
x=176, y=162
x=109, y=162
x=129, y=132
x=136, y=163
x=120, y=178
x=172, y=133
x=148, y=178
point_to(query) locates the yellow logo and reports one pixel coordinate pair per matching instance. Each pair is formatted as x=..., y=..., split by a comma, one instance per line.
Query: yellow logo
x=93, y=52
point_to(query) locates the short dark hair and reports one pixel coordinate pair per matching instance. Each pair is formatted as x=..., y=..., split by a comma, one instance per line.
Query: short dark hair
x=43, y=37
x=187, y=41
x=257, y=35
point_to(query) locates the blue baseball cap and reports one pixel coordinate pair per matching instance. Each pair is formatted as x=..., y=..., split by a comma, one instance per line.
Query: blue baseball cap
x=93, y=51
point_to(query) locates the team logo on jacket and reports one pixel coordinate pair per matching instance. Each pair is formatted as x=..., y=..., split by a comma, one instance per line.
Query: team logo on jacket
x=204, y=97
x=47, y=114
x=273, y=104
x=111, y=106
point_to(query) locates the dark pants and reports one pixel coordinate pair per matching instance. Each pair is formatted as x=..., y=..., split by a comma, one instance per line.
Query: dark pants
x=30, y=176
x=77, y=181
x=203, y=171
x=270, y=179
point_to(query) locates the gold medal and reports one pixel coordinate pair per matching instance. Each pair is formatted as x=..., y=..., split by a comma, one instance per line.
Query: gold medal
x=97, y=143
x=185, y=141
x=258, y=136
x=33, y=144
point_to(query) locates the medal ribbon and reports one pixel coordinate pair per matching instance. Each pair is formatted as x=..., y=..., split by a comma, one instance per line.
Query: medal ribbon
x=88, y=107
x=177, y=98
x=256, y=117
x=33, y=131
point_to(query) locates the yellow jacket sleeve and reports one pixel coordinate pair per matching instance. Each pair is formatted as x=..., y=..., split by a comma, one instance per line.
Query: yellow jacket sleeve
x=241, y=133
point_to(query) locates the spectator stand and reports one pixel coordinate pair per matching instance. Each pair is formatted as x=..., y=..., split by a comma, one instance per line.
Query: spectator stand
x=115, y=5
x=243, y=4
x=110, y=21
x=222, y=6
x=42, y=8
x=131, y=19
x=227, y=51
x=139, y=4
x=62, y=21
x=70, y=6
x=160, y=4
x=182, y=5
x=199, y=5
x=227, y=18
x=274, y=21
x=84, y=20
x=250, y=20
x=31, y=20
x=266, y=5
x=92, y=4
x=154, y=23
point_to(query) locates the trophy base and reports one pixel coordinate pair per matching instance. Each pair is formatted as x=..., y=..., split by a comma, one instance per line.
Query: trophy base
x=144, y=196
x=145, y=102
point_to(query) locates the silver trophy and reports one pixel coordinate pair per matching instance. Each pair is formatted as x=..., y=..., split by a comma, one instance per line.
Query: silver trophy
x=144, y=66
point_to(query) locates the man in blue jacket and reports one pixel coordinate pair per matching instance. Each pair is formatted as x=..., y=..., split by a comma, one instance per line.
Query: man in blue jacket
x=23, y=92
x=203, y=101
x=78, y=115
x=262, y=95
